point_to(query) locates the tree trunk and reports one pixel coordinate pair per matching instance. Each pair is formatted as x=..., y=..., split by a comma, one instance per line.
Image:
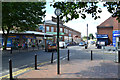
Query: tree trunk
x=6, y=38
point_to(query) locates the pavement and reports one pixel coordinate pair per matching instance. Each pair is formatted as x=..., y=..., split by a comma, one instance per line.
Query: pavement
x=79, y=66
x=75, y=69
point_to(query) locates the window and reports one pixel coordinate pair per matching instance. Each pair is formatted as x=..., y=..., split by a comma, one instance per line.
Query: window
x=61, y=30
x=69, y=35
x=66, y=30
x=52, y=29
x=47, y=29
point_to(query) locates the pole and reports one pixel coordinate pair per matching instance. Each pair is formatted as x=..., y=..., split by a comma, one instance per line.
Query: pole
x=52, y=57
x=44, y=35
x=58, y=61
x=10, y=68
x=87, y=35
x=68, y=55
x=118, y=56
x=11, y=50
x=35, y=62
x=91, y=56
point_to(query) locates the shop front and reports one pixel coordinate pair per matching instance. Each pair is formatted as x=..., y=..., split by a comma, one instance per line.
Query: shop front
x=102, y=40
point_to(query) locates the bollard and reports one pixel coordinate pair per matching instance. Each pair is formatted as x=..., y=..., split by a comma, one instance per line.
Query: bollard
x=35, y=62
x=52, y=57
x=11, y=50
x=91, y=56
x=10, y=69
x=68, y=54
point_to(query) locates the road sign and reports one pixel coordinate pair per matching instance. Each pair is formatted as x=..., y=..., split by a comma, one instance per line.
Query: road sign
x=41, y=27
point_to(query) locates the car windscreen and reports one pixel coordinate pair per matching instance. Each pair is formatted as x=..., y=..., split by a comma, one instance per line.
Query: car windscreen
x=53, y=45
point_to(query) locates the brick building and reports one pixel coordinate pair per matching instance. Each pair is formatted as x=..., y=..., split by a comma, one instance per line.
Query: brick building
x=109, y=27
x=67, y=34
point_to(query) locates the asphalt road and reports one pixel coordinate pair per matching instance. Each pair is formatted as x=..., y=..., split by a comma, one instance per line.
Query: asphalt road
x=26, y=59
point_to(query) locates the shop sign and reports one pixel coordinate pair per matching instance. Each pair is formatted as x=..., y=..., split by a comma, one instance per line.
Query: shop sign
x=102, y=36
x=55, y=33
x=13, y=36
x=9, y=42
x=29, y=37
x=116, y=33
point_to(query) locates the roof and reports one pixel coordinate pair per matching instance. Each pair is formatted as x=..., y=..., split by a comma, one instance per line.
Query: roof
x=31, y=32
x=39, y=33
x=107, y=23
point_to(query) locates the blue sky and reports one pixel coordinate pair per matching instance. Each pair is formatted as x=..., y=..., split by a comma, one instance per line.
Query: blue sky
x=80, y=24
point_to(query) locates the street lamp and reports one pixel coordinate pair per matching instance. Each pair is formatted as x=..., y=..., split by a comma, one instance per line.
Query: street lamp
x=87, y=34
x=87, y=38
x=44, y=34
x=57, y=13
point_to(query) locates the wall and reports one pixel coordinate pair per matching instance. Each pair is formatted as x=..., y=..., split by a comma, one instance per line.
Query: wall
x=106, y=31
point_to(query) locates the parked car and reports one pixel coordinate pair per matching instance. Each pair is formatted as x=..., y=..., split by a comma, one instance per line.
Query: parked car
x=62, y=44
x=81, y=43
x=52, y=47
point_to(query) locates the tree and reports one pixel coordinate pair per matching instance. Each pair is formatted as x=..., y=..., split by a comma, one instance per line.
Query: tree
x=72, y=10
x=91, y=36
x=25, y=15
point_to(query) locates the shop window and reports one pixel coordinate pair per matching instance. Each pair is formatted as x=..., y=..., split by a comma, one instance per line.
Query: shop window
x=47, y=28
x=52, y=29
x=61, y=29
x=69, y=35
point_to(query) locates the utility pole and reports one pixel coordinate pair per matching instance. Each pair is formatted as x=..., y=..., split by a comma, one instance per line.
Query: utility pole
x=87, y=38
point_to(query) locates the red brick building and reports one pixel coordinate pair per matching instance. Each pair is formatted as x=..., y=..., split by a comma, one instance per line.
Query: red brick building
x=109, y=27
x=67, y=34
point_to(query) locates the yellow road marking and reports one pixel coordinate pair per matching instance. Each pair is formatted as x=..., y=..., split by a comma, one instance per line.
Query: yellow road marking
x=21, y=71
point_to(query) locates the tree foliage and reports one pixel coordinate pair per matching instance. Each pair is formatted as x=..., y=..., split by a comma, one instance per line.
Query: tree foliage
x=114, y=8
x=91, y=36
x=25, y=15
x=72, y=10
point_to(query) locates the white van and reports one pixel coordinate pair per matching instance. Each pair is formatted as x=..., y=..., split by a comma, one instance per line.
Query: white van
x=62, y=44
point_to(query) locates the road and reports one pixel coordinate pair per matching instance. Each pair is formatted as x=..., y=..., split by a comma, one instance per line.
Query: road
x=26, y=59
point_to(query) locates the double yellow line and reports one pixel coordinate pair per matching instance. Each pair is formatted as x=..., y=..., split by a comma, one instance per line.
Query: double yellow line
x=21, y=71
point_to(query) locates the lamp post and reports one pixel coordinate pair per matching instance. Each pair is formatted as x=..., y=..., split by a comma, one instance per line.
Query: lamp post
x=87, y=38
x=87, y=34
x=57, y=13
x=44, y=34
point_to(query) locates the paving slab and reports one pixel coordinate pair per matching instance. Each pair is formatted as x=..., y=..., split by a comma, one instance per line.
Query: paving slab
x=76, y=69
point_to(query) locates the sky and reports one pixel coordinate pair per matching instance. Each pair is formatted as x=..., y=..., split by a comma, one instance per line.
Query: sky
x=81, y=24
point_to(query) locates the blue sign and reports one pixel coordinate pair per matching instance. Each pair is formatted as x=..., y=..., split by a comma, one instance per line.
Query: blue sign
x=9, y=42
x=41, y=27
x=116, y=33
x=101, y=36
